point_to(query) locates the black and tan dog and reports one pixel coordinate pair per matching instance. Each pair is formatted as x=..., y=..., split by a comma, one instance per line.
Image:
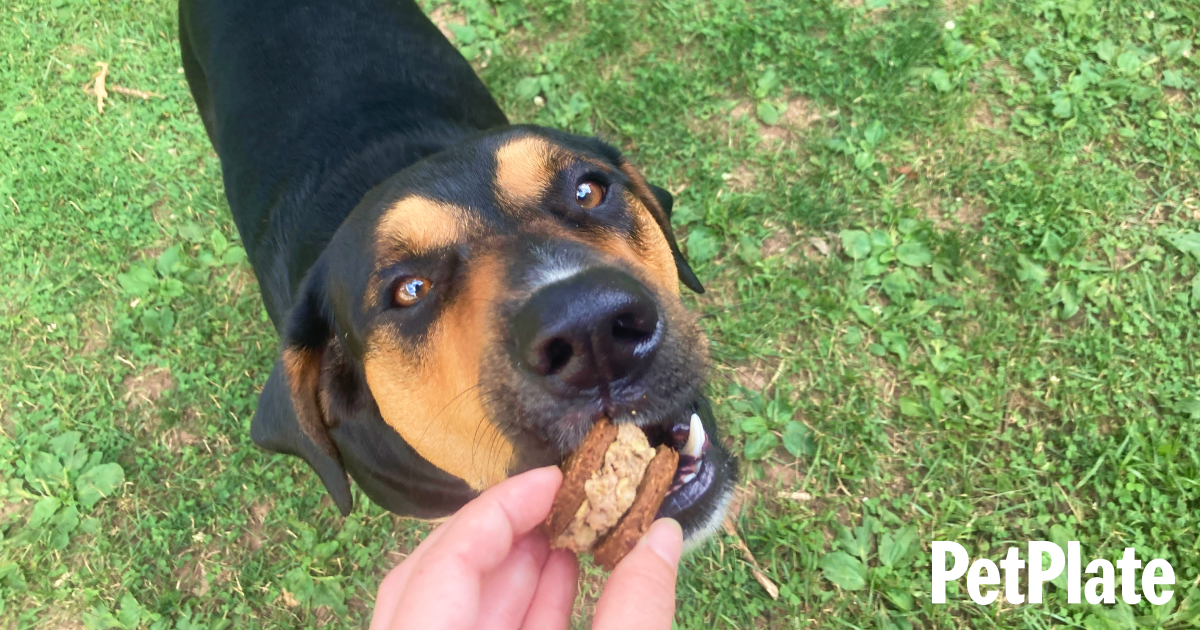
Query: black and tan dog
x=458, y=299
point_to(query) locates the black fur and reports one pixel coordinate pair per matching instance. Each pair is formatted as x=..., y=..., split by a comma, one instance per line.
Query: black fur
x=310, y=105
x=316, y=107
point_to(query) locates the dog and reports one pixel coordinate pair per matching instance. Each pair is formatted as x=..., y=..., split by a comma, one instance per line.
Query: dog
x=458, y=299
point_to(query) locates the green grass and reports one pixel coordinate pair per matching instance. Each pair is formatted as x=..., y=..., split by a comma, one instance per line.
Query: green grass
x=953, y=295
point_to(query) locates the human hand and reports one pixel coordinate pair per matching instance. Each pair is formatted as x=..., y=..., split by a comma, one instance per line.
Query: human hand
x=486, y=567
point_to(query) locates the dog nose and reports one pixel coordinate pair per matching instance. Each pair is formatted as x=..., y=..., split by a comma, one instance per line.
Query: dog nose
x=591, y=329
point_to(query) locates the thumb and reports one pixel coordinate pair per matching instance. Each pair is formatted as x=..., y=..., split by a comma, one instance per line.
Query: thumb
x=640, y=594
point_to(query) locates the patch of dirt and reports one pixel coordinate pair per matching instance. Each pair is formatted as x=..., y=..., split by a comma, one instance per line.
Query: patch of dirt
x=901, y=485
x=395, y=557
x=777, y=486
x=253, y=539
x=875, y=15
x=358, y=608
x=742, y=501
x=894, y=467
x=445, y=15
x=970, y=213
x=778, y=243
x=742, y=109
x=791, y=244
x=982, y=117
x=74, y=51
x=191, y=578
x=150, y=254
x=800, y=115
x=1122, y=257
x=785, y=477
x=754, y=376
x=875, y=296
x=10, y=512
x=146, y=388
x=1018, y=402
x=59, y=620
x=884, y=379
x=740, y=179
x=177, y=438
x=239, y=279
x=1174, y=96
x=958, y=5
x=844, y=516
x=967, y=213
x=192, y=418
x=162, y=211
x=95, y=337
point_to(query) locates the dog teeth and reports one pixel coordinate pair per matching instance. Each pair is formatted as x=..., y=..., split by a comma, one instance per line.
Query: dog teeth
x=696, y=438
x=686, y=479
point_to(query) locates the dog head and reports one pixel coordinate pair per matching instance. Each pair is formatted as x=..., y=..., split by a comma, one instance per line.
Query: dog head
x=474, y=316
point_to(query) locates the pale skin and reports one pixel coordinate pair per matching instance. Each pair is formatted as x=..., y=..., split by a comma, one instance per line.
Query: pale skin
x=486, y=568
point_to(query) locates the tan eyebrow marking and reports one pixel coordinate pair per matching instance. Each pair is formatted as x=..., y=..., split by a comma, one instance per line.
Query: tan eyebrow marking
x=419, y=224
x=413, y=226
x=524, y=168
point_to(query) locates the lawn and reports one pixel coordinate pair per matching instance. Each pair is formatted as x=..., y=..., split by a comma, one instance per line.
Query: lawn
x=951, y=252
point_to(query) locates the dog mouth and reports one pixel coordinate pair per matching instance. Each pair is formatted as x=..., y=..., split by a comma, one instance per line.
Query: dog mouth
x=696, y=472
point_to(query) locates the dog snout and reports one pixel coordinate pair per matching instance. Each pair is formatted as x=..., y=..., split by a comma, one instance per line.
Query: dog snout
x=588, y=331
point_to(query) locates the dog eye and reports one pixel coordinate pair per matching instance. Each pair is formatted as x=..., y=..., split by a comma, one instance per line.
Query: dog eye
x=589, y=194
x=410, y=290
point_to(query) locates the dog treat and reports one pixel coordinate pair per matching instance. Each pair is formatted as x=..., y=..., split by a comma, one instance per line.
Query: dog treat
x=612, y=487
x=576, y=471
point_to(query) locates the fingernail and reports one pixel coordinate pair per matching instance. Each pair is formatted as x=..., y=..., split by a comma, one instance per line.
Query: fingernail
x=665, y=538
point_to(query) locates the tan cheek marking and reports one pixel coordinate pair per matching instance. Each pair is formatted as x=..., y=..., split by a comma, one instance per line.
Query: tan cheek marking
x=655, y=251
x=620, y=248
x=654, y=227
x=415, y=225
x=433, y=403
x=524, y=167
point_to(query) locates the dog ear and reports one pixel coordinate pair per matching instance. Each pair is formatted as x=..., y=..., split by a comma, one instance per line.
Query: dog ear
x=686, y=275
x=664, y=198
x=292, y=414
x=660, y=202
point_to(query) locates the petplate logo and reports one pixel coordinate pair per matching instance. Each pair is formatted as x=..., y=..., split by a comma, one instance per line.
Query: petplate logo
x=1098, y=590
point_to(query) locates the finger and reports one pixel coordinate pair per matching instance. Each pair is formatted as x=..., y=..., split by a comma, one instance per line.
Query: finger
x=388, y=598
x=393, y=584
x=640, y=594
x=444, y=587
x=508, y=589
x=555, y=595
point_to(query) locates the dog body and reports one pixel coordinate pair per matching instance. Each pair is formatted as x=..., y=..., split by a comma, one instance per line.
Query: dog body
x=458, y=299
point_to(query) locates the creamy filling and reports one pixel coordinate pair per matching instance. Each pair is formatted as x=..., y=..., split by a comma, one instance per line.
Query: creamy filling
x=611, y=490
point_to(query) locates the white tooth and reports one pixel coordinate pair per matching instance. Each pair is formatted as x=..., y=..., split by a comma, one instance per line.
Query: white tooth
x=696, y=437
x=686, y=479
